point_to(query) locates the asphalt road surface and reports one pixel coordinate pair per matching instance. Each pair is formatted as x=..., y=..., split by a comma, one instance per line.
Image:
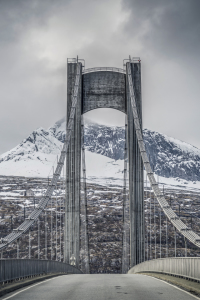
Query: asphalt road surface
x=100, y=287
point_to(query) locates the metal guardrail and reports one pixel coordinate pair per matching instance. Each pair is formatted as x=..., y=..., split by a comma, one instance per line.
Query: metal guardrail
x=110, y=69
x=13, y=269
x=171, y=215
x=186, y=267
x=16, y=233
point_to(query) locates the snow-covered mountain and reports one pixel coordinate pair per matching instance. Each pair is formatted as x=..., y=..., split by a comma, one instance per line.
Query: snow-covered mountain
x=169, y=157
x=35, y=155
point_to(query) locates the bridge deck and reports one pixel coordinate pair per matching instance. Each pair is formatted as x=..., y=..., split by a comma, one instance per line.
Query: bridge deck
x=103, y=286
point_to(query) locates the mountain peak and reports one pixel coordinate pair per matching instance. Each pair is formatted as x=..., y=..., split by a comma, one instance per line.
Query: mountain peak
x=168, y=156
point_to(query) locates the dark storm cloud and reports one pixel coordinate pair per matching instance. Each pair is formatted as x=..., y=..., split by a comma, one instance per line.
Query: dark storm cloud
x=16, y=15
x=27, y=82
x=37, y=36
x=169, y=36
x=171, y=28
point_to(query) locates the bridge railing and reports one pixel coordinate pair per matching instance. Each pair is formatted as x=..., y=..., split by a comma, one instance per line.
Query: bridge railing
x=186, y=267
x=110, y=69
x=13, y=269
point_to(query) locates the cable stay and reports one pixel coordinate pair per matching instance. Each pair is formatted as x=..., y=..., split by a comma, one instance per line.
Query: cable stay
x=24, y=227
x=126, y=224
x=85, y=259
x=187, y=232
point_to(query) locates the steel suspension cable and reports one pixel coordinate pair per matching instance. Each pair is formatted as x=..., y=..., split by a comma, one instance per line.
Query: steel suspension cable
x=154, y=225
x=166, y=237
x=160, y=234
x=24, y=227
x=175, y=241
x=29, y=246
x=38, y=237
x=85, y=262
x=63, y=213
x=170, y=214
x=51, y=228
x=17, y=248
x=45, y=228
x=147, y=233
x=150, y=227
x=56, y=225
x=125, y=237
x=160, y=229
x=60, y=224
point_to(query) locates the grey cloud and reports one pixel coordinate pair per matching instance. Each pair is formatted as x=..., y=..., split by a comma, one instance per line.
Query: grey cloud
x=173, y=27
x=16, y=16
x=37, y=36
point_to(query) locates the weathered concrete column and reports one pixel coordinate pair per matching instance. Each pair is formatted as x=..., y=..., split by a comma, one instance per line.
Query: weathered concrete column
x=136, y=197
x=104, y=89
x=73, y=169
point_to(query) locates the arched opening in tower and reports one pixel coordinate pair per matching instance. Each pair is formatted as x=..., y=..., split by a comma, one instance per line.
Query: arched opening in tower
x=104, y=143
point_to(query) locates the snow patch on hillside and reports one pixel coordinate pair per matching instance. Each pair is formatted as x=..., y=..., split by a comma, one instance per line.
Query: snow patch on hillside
x=103, y=170
x=33, y=157
x=176, y=162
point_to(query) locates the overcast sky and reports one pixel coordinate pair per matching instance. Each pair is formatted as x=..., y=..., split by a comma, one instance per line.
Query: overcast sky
x=36, y=37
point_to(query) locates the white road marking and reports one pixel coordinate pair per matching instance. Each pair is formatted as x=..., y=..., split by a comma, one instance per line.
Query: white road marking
x=28, y=288
x=173, y=286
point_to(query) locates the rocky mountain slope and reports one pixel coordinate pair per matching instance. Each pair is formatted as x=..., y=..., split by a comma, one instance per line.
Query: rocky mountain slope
x=33, y=157
x=168, y=156
x=172, y=158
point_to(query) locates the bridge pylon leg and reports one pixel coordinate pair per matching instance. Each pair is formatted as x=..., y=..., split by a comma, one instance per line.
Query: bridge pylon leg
x=73, y=171
x=136, y=185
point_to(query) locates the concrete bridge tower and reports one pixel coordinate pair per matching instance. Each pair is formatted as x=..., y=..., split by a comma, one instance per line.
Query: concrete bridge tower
x=104, y=88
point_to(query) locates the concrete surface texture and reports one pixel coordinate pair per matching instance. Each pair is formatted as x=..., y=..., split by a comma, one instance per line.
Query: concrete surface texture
x=99, y=287
x=73, y=173
x=136, y=194
x=103, y=90
x=111, y=90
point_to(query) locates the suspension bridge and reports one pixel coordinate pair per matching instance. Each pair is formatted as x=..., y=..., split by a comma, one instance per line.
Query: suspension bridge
x=142, y=245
